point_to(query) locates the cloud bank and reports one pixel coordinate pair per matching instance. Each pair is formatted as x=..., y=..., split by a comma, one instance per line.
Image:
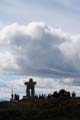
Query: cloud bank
x=39, y=50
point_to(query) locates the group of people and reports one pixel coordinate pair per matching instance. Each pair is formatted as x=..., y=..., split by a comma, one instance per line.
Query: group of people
x=62, y=94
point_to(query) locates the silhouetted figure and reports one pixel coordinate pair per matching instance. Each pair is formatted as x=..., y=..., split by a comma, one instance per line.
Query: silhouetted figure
x=55, y=94
x=30, y=88
x=64, y=94
x=16, y=97
x=12, y=96
x=73, y=94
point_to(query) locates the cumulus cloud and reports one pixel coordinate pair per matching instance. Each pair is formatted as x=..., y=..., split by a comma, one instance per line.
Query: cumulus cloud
x=39, y=50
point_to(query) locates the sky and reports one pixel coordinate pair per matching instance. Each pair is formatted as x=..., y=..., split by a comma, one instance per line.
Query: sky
x=39, y=39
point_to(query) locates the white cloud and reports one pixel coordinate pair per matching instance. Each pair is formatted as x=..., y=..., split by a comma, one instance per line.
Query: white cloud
x=38, y=49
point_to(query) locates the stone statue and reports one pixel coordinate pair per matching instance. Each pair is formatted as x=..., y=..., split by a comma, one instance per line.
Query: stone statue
x=30, y=88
